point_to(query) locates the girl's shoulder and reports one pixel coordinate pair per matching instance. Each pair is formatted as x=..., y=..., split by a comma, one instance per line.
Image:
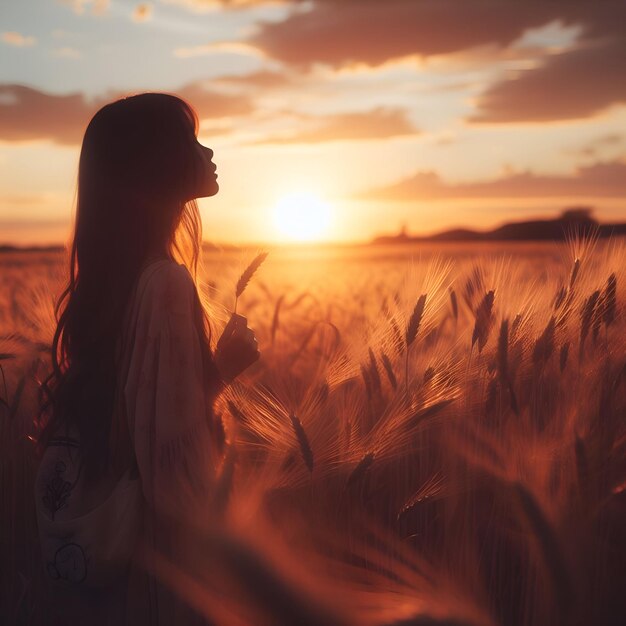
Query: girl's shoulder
x=165, y=284
x=164, y=270
x=163, y=290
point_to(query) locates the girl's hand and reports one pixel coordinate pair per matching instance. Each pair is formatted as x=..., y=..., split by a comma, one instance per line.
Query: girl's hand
x=236, y=349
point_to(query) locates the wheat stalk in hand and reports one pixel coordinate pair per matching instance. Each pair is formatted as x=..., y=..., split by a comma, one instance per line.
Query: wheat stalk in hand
x=244, y=279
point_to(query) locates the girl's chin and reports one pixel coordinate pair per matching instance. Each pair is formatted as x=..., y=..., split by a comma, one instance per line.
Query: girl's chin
x=209, y=190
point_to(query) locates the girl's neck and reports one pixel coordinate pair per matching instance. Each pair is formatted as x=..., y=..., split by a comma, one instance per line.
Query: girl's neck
x=155, y=256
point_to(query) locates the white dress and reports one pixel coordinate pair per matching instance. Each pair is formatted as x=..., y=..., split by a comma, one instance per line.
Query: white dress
x=88, y=532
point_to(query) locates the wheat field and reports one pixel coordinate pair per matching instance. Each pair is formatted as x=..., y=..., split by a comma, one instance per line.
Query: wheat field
x=432, y=435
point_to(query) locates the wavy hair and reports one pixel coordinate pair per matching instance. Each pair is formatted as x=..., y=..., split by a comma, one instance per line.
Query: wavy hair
x=136, y=177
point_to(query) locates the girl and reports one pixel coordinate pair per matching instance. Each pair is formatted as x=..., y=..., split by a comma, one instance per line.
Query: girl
x=127, y=418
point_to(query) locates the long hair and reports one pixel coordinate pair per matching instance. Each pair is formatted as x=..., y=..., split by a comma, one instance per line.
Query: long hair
x=137, y=170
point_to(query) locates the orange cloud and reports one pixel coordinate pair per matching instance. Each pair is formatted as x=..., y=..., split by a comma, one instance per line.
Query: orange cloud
x=98, y=7
x=262, y=79
x=17, y=39
x=29, y=114
x=605, y=179
x=142, y=12
x=199, y=6
x=229, y=47
x=210, y=104
x=379, y=123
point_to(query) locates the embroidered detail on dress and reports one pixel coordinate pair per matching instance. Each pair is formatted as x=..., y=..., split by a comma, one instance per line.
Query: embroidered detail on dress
x=69, y=564
x=57, y=490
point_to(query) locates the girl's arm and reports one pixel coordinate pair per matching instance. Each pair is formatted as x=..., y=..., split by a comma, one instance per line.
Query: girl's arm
x=166, y=394
x=168, y=416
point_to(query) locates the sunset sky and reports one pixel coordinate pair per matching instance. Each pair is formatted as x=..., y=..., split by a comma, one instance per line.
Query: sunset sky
x=432, y=113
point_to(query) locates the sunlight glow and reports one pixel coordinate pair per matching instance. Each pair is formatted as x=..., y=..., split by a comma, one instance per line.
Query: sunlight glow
x=302, y=216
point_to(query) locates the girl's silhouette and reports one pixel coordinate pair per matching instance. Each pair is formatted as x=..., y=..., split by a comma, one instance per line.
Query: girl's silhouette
x=127, y=411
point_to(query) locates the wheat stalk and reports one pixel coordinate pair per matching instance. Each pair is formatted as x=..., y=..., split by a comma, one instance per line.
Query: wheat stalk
x=429, y=411
x=484, y=321
x=374, y=374
x=415, y=320
x=361, y=468
x=574, y=274
x=411, y=333
x=544, y=346
x=549, y=545
x=559, y=298
x=389, y=369
x=502, y=364
x=247, y=274
x=502, y=359
x=610, y=300
x=275, y=318
x=366, y=381
x=303, y=441
x=236, y=412
x=455, y=305
x=586, y=317
x=397, y=336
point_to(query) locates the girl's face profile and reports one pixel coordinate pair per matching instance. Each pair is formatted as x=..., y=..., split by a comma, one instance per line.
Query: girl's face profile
x=207, y=183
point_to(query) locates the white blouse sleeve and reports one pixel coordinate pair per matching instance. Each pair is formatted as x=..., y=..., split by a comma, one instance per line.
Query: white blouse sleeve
x=166, y=400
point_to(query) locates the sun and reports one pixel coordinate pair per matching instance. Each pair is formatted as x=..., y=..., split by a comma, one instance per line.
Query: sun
x=302, y=216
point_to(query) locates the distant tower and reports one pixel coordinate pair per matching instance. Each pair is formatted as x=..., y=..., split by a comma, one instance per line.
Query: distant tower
x=403, y=234
x=578, y=214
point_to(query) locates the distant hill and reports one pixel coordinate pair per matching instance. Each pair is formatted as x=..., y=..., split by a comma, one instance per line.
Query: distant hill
x=12, y=248
x=576, y=219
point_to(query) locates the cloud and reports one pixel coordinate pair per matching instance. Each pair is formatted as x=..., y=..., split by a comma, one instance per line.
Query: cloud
x=578, y=82
x=142, y=12
x=199, y=6
x=603, y=179
x=17, y=39
x=210, y=104
x=341, y=33
x=600, y=144
x=98, y=7
x=228, y=47
x=379, y=123
x=262, y=79
x=67, y=52
x=571, y=85
x=29, y=114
